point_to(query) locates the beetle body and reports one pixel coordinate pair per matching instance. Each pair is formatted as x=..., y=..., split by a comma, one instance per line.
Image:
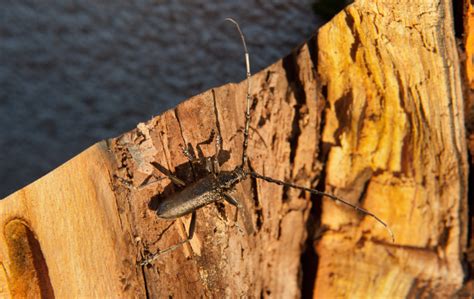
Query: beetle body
x=209, y=189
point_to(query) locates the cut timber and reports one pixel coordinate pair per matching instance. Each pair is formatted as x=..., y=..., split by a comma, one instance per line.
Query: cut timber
x=94, y=217
x=467, y=48
x=468, y=66
x=396, y=129
x=393, y=138
x=63, y=235
x=260, y=253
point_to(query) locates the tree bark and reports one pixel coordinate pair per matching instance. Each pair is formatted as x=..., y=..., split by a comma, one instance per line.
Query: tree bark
x=260, y=253
x=370, y=109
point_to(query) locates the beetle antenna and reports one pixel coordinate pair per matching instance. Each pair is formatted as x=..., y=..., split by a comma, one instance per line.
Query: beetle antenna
x=247, y=111
x=331, y=196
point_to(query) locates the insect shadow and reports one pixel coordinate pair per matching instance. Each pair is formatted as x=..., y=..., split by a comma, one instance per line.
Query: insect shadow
x=219, y=185
x=195, y=168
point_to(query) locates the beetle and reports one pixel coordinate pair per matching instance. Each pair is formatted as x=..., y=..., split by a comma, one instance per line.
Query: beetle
x=218, y=185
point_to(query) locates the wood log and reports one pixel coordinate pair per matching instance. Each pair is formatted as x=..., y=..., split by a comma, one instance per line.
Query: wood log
x=370, y=109
x=94, y=217
x=396, y=126
x=64, y=235
x=468, y=71
x=466, y=9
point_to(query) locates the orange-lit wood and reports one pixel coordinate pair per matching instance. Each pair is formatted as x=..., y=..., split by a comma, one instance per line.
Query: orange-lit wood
x=370, y=109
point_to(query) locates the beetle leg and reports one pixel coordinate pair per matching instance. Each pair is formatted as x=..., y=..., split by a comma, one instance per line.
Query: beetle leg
x=209, y=165
x=168, y=173
x=215, y=158
x=212, y=163
x=153, y=257
x=200, y=152
x=177, y=180
x=148, y=181
x=233, y=202
x=188, y=154
x=238, y=206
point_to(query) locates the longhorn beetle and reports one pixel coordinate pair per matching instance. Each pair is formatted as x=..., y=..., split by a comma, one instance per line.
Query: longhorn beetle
x=218, y=185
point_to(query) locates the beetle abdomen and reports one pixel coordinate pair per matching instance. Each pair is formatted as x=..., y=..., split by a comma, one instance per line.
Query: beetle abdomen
x=194, y=196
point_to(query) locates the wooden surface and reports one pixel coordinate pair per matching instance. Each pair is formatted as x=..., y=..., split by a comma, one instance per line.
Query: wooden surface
x=371, y=109
x=94, y=222
x=467, y=62
x=468, y=68
x=395, y=123
x=260, y=253
x=468, y=41
x=63, y=235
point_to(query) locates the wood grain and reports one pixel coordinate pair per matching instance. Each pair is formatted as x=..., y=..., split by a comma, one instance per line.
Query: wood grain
x=396, y=129
x=62, y=236
x=258, y=255
x=370, y=109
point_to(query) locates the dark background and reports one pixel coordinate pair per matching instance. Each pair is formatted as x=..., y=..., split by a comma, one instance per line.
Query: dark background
x=73, y=73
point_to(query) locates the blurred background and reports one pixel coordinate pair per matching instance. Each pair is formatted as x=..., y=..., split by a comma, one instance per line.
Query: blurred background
x=73, y=73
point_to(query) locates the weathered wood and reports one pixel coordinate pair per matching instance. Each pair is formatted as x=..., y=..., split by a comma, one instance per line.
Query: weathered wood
x=467, y=61
x=64, y=236
x=229, y=259
x=93, y=219
x=396, y=129
x=392, y=140
x=468, y=67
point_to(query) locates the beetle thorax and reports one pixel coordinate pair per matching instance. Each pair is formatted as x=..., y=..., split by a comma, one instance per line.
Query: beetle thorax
x=228, y=179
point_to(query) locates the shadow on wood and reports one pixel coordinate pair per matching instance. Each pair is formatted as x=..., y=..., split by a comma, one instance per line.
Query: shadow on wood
x=384, y=79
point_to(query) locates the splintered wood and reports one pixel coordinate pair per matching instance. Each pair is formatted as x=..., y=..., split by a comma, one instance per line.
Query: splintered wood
x=395, y=123
x=381, y=126
x=223, y=257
